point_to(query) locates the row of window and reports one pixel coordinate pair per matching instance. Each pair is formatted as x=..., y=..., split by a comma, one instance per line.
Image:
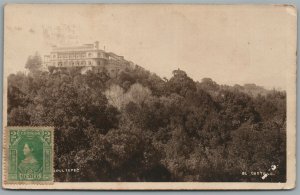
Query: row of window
x=100, y=55
x=76, y=63
x=69, y=56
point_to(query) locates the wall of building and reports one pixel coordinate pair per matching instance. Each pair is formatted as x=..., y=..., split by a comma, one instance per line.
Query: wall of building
x=87, y=55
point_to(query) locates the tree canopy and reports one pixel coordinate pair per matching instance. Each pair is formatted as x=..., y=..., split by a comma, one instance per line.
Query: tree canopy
x=34, y=63
x=139, y=127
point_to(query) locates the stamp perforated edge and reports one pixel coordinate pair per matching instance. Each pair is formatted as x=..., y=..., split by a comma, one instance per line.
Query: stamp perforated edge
x=5, y=156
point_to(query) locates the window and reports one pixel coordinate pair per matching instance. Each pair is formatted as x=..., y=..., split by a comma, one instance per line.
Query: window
x=90, y=62
x=90, y=54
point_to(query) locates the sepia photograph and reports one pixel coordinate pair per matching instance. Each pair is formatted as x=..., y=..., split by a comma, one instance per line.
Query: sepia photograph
x=150, y=96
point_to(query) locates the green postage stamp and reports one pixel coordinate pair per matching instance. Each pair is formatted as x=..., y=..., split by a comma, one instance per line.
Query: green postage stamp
x=29, y=156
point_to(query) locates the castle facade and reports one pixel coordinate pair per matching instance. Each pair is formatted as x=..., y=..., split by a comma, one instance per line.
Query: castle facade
x=86, y=57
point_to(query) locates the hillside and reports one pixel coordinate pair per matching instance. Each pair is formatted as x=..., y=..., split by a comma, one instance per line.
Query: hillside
x=139, y=127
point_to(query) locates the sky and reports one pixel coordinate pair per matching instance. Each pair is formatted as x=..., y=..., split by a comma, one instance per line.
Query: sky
x=230, y=44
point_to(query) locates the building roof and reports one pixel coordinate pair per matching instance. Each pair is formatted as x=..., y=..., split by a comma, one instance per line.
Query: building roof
x=83, y=47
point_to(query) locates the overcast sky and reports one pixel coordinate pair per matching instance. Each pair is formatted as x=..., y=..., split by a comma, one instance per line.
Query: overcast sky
x=230, y=44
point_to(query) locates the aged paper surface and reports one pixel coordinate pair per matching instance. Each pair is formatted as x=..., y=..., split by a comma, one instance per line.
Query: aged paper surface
x=149, y=97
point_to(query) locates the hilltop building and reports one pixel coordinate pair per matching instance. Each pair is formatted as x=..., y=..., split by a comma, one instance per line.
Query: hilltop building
x=85, y=57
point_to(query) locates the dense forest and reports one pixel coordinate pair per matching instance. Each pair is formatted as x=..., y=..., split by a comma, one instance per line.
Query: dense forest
x=140, y=127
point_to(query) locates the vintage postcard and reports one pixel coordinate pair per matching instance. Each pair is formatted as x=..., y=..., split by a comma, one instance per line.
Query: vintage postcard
x=149, y=97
